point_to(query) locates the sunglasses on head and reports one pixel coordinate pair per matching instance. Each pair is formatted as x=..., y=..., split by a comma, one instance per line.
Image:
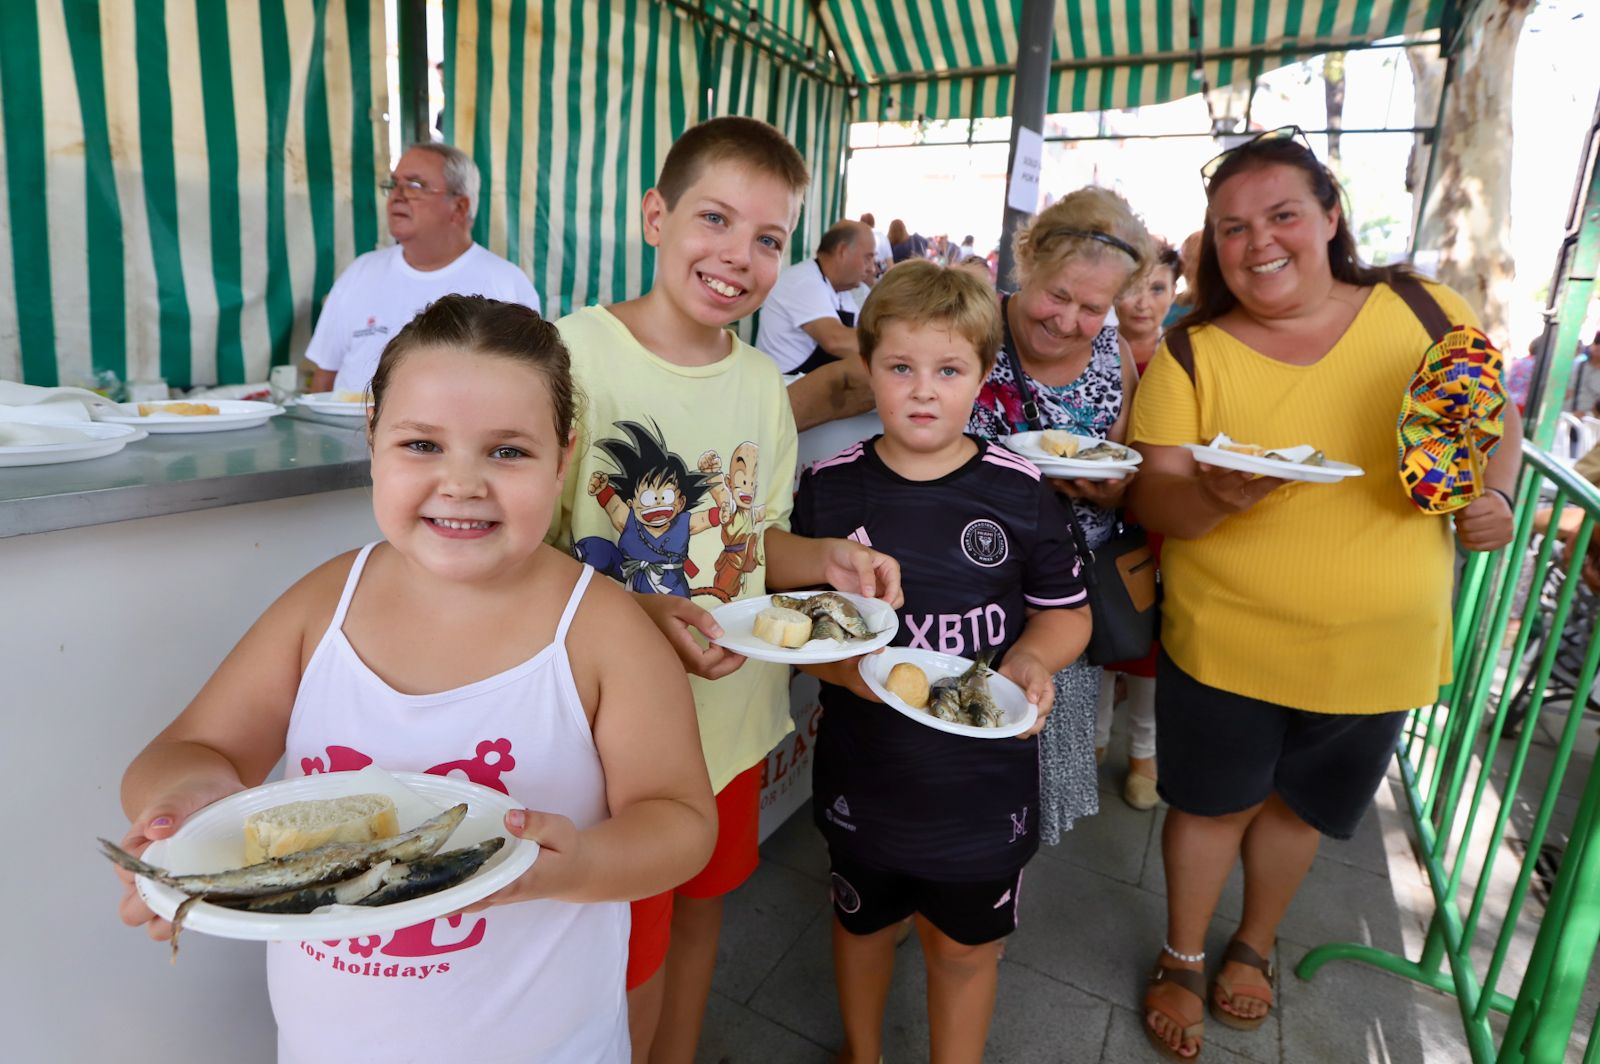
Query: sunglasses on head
x=1209, y=170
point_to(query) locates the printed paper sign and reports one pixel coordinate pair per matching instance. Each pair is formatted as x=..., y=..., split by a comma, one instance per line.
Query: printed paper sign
x=1022, y=191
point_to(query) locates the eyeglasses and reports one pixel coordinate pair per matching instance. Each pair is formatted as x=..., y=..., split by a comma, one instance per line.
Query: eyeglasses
x=1209, y=170
x=390, y=185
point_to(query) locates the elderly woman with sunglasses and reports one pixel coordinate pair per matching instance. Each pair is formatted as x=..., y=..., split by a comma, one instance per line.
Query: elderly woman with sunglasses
x=1062, y=367
x=1300, y=620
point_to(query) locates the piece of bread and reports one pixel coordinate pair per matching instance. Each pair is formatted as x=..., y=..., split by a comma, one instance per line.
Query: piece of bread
x=185, y=409
x=1061, y=444
x=782, y=627
x=297, y=826
x=348, y=396
x=909, y=684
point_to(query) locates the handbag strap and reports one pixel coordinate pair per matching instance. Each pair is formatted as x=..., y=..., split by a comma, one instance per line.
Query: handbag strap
x=1030, y=406
x=1423, y=305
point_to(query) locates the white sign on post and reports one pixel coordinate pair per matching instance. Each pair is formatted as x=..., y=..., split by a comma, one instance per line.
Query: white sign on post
x=1022, y=193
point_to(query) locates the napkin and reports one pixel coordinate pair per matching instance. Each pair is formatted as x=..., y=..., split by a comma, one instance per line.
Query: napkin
x=52, y=404
x=1296, y=454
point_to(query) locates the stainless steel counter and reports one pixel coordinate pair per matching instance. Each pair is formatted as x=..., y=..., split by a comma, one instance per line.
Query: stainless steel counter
x=296, y=453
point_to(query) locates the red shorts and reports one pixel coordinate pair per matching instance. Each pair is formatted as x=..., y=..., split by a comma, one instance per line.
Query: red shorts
x=732, y=861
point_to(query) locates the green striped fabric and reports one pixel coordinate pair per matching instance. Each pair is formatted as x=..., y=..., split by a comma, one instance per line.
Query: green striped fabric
x=570, y=107
x=183, y=179
x=888, y=38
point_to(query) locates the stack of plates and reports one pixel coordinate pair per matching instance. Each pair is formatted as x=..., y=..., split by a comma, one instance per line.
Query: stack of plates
x=329, y=403
x=67, y=442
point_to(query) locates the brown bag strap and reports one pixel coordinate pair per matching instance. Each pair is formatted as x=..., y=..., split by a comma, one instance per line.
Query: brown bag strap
x=1423, y=305
x=1182, y=350
x=1407, y=287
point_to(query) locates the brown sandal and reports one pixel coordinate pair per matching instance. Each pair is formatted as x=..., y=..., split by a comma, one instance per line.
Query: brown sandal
x=1195, y=983
x=1223, y=992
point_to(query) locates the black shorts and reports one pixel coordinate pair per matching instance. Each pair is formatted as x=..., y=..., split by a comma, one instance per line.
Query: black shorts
x=1219, y=753
x=867, y=900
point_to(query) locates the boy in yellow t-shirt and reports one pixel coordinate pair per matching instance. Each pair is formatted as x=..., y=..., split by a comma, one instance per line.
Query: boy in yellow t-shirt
x=681, y=487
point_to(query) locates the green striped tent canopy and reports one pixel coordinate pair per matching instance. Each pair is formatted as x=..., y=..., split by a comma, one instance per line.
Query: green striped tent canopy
x=943, y=59
x=183, y=179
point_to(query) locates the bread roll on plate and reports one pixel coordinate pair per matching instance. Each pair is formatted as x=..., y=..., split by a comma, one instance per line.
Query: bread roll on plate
x=782, y=627
x=909, y=684
x=286, y=829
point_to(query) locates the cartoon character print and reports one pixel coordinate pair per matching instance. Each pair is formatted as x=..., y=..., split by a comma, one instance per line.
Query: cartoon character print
x=741, y=525
x=431, y=938
x=651, y=502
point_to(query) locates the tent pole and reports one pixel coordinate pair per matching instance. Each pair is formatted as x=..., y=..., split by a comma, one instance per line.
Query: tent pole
x=412, y=19
x=1034, y=34
x=1571, y=289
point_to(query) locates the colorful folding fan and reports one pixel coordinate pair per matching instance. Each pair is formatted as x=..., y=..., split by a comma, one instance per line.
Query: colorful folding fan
x=1451, y=421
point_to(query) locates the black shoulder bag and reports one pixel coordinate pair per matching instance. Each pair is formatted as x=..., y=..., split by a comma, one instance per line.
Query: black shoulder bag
x=1120, y=577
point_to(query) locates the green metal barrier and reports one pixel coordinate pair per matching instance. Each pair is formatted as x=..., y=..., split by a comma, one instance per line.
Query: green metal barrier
x=1448, y=758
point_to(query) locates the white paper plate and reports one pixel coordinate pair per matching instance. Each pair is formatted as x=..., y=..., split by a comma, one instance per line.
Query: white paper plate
x=1330, y=473
x=98, y=441
x=1013, y=700
x=213, y=839
x=325, y=403
x=1027, y=445
x=737, y=618
x=232, y=414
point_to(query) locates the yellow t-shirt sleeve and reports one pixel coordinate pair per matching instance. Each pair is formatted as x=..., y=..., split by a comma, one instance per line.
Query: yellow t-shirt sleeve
x=1166, y=412
x=779, y=494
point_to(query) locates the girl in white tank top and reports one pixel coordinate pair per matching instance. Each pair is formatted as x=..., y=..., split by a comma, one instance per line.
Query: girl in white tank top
x=462, y=646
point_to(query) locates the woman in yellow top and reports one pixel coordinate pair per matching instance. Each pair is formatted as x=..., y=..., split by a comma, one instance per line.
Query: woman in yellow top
x=1301, y=620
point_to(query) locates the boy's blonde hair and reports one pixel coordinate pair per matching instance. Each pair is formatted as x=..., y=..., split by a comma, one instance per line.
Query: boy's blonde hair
x=1094, y=224
x=924, y=293
x=735, y=139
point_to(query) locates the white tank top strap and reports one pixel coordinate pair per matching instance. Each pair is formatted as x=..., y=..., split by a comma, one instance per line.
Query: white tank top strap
x=350, y=583
x=572, y=604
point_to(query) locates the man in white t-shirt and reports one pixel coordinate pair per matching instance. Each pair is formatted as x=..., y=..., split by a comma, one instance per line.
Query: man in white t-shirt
x=884, y=254
x=433, y=197
x=809, y=319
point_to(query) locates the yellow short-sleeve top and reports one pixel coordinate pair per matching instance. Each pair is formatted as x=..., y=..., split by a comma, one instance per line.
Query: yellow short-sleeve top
x=1333, y=598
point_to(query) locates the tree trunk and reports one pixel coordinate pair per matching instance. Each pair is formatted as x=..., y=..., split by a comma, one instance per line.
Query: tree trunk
x=1466, y=218
x=1333, y=95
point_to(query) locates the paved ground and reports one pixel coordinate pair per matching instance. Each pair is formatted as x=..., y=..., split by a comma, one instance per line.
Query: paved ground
x=1092, y=920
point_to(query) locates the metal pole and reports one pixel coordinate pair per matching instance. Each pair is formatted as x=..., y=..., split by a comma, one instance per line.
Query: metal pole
x=1570, y=292
x=1034, y=34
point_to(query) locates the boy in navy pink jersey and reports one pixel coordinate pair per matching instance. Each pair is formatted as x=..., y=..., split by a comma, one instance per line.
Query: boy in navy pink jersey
x=919, y=821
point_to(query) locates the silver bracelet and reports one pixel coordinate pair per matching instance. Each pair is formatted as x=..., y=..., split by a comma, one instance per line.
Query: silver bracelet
x=1187, y=958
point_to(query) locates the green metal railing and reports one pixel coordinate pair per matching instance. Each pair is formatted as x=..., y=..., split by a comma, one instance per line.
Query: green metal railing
x=1466, y=770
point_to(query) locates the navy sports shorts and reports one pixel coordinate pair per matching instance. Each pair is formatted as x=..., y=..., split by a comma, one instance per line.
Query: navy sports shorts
x=866, y=900
x=1219, y=753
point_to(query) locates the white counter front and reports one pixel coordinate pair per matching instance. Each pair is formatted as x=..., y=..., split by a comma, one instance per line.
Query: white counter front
x=106, y=632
